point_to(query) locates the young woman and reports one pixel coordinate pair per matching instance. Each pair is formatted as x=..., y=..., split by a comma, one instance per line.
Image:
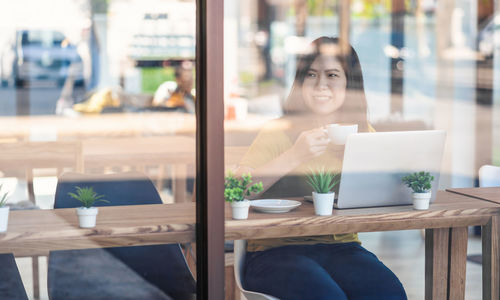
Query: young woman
x=328, y=88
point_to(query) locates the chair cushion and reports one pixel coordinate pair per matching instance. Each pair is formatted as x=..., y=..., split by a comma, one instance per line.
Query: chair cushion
x=11, y=285
x=96, y=274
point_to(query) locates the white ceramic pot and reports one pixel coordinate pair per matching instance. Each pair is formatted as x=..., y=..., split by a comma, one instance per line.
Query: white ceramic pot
x=323, y=203
x=240, y=209
x=4, y=218
x=87, y=216
x=421, y=200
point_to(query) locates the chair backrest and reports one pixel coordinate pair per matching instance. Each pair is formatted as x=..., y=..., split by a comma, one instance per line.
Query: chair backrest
x=129, y=188
x=489, y=176
x=240, y=250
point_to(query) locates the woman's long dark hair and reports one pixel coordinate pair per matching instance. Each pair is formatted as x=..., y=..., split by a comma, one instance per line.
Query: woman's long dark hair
x=354, y=109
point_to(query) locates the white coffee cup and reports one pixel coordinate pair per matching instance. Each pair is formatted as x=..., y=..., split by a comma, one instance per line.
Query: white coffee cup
x=338, y=133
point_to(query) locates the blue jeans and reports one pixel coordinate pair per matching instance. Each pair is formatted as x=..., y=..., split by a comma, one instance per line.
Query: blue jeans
x=321, y=271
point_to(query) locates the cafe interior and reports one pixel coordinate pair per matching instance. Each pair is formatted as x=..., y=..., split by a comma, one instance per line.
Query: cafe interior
x=160, y=149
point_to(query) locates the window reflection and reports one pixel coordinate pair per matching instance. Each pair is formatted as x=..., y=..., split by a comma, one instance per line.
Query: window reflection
x=425, y=65
x=100, y=91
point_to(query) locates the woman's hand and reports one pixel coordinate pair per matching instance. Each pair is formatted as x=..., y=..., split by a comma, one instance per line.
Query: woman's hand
x=310, y=144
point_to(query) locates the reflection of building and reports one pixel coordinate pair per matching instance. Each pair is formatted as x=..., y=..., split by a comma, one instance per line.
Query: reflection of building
x=142, y=34
x=165, y=33
x=162, y=41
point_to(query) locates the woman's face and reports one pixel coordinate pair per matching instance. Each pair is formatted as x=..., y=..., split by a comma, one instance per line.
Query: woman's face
x=324, y=86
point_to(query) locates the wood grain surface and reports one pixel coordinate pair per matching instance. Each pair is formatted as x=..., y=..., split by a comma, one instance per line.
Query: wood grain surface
x=458, y=261
x=449, y=210
x=43, y=230
x=491, y=258
x=39, y=231
x=485, y=193
x=436, y=263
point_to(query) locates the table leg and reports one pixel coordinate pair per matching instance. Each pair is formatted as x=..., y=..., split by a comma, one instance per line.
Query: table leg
x=179, y=178
x=36, y=277
x=29, y=183
x=436, y=263
x=491, y=277
x=458, y=262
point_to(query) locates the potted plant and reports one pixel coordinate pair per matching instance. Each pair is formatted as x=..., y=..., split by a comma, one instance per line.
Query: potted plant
x=323, y=182
x=420, y=183
x=87, y=213
x=4, y=211
x=235, y=191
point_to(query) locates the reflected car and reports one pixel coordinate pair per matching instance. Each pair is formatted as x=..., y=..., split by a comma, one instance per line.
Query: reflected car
x=39, y=55
x=487, y=35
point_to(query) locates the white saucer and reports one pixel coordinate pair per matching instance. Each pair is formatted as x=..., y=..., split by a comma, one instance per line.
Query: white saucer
x=274, y=206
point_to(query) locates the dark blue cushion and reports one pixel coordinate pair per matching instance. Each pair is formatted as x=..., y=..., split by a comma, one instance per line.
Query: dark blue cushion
x=131, y=188
x=11, y=285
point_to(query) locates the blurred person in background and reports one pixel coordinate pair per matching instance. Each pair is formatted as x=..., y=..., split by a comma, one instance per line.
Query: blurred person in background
x=178, y=94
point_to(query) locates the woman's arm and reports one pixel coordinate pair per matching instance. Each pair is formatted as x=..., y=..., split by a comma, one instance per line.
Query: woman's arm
x=308, y=145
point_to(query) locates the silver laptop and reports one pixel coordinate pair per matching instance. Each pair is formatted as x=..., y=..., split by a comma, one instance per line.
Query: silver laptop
x=375, y=163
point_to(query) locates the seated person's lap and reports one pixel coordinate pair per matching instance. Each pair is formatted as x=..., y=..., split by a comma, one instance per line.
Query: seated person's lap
x=322, y=271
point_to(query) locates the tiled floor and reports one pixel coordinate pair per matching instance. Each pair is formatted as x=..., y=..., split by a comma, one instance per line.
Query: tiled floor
x=401, y=251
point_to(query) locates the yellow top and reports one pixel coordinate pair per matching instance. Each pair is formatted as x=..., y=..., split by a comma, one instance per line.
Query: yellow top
x=268, y=145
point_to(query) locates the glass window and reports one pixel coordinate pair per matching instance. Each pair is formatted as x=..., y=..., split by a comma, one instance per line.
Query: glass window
x=301, y=76
x=98, y=99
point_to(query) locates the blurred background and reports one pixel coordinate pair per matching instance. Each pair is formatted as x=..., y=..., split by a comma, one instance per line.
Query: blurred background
x=426, y=64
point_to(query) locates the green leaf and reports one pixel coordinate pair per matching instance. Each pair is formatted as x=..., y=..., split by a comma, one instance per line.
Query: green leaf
x=235, y=189
x=3, y=199
x=322, y=181
x=87, y=196
x=419, y=182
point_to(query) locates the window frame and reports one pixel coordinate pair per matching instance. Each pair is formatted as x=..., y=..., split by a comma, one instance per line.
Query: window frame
x=210, y=149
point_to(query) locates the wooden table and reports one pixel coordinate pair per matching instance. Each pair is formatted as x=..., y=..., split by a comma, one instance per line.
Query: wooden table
x=48, y=128
x=36, y=232
x=491, y=194
x=445, y=222
x=98, y=125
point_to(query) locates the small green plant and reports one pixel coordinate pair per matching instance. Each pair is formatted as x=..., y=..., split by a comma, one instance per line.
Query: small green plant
x=3, y=197
x=419, y=182
x=236, y=189
x=322, y=181
x=87, y=196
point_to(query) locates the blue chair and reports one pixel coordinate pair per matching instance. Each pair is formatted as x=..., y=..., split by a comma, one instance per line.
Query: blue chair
x=240, y=250
x=138, y=272
x=11, y=285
